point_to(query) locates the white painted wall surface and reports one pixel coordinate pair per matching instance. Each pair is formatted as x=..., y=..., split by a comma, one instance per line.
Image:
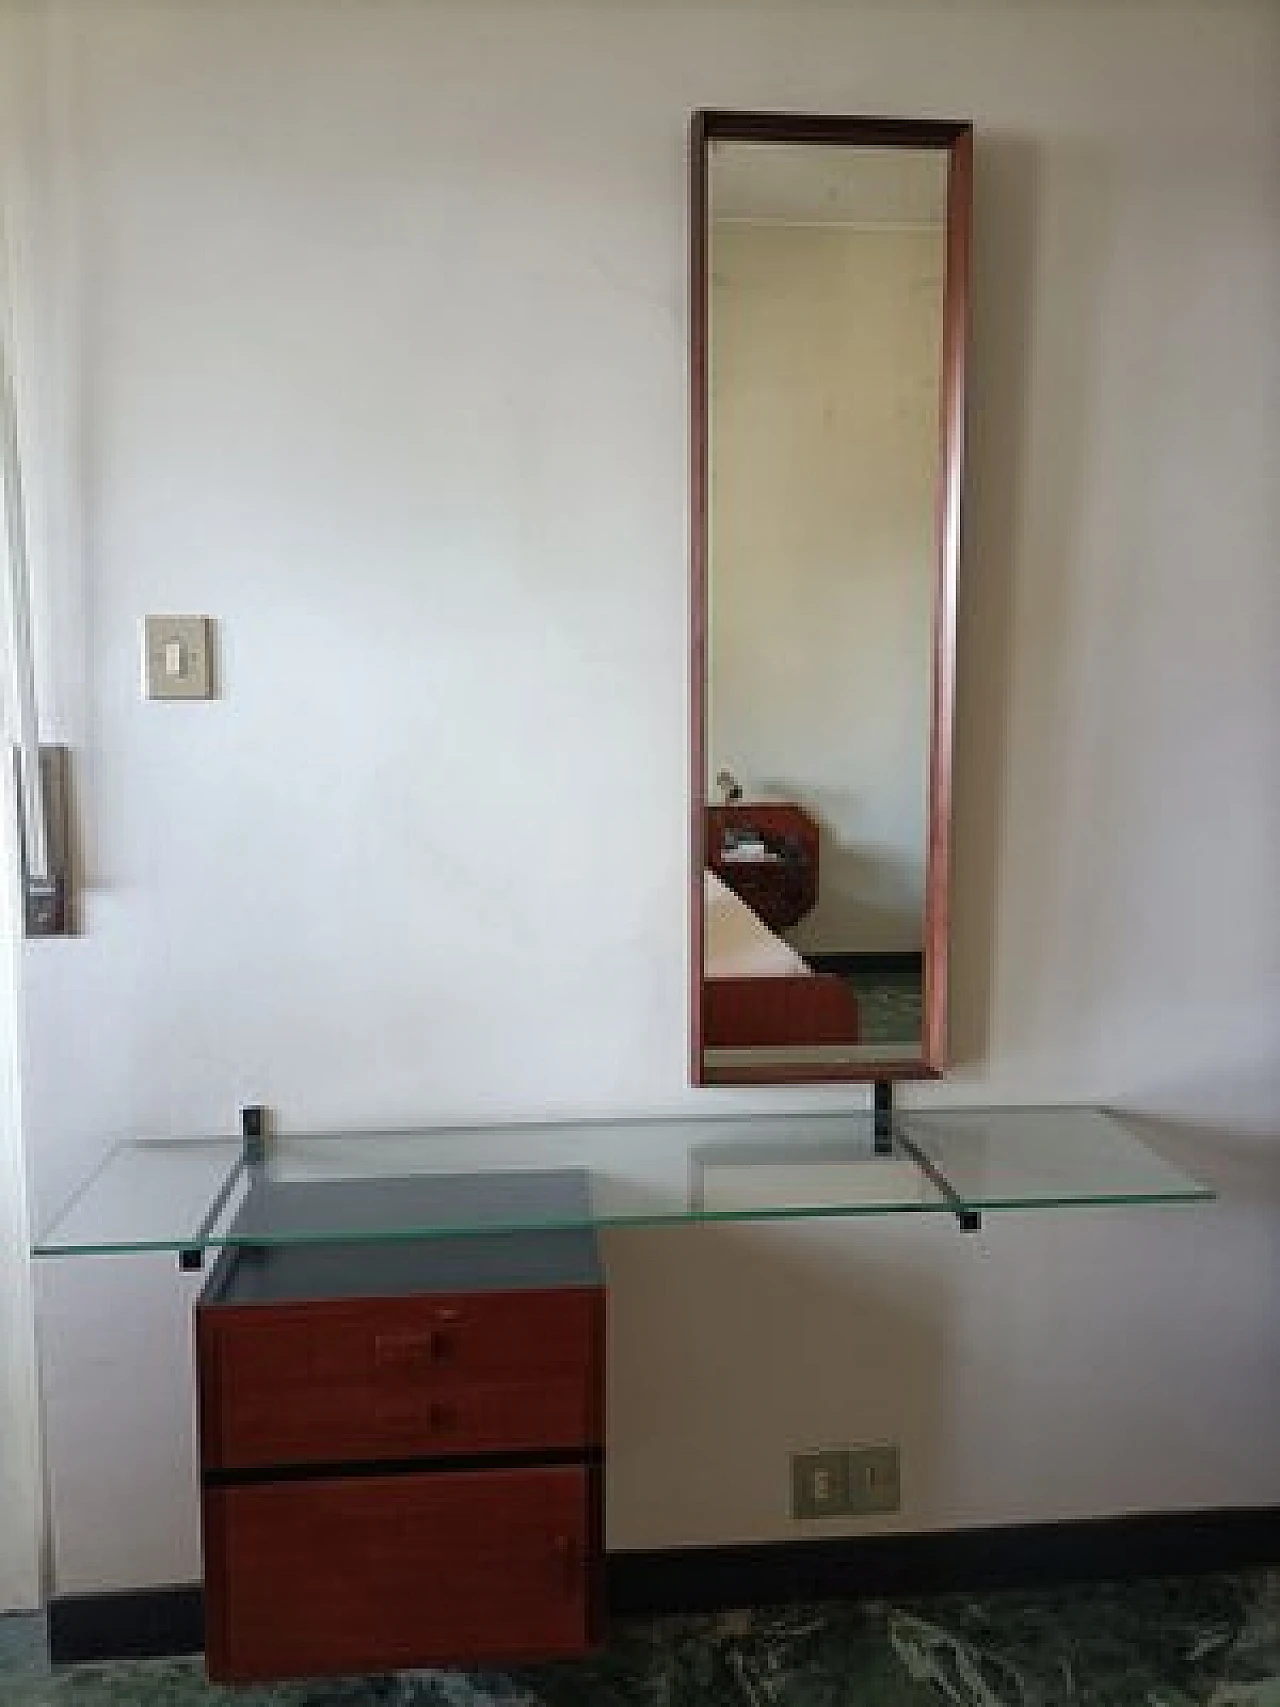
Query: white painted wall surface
x=21, y=1518
x=378, y=355
x=826, y=356
x=20, y=1478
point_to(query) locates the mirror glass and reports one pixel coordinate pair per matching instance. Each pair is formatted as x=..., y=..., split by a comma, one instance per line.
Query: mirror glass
x=823, y=541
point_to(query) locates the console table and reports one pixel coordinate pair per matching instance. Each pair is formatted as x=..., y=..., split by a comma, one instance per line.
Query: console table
x=401, y=1341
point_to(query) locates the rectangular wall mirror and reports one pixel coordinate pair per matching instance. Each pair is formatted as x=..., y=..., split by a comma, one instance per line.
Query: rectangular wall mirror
x=829, y=270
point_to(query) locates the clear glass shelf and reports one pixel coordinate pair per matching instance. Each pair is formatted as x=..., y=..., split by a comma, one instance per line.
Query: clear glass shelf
x=200, y=1193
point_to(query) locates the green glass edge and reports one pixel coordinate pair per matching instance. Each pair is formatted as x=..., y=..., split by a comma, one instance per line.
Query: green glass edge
x=1194, y=1193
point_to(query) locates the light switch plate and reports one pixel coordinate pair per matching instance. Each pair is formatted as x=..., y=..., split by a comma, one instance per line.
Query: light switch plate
x=177, y=657
x=873, y=1480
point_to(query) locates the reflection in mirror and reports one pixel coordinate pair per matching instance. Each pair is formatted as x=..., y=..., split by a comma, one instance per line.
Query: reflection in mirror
x=828, y=269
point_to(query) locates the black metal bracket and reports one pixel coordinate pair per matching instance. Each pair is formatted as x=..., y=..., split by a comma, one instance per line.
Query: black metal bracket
x=970, y=1220
x=885, y=1137
x=882, y=1117
x=254, y=1122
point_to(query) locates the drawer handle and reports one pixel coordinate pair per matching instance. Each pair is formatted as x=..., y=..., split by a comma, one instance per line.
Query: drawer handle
x=433, y=1346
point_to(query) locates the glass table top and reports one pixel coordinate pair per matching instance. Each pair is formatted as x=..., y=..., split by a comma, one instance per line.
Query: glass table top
x=190, y=1194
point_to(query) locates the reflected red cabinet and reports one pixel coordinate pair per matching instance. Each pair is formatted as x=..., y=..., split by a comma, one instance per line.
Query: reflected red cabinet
x=782, y=888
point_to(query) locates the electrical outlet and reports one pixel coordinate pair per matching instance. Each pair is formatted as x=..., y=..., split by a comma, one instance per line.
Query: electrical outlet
x=858, y=1481
x=818, y=1484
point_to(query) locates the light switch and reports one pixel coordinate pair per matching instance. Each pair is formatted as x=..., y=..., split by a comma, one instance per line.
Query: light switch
x=177, y=661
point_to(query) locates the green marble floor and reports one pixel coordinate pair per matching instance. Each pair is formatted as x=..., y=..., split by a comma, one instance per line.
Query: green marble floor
x=1186, y=1642
x=889, y=1005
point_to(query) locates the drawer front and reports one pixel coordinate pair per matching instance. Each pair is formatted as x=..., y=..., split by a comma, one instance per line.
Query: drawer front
x=364, y=1379
x=377, y=1573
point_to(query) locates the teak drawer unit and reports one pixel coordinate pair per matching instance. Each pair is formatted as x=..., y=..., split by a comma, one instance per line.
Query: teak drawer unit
x=400, y=1453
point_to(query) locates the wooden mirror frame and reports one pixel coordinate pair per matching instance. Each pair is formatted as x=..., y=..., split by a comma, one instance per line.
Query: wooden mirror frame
x=956, y=137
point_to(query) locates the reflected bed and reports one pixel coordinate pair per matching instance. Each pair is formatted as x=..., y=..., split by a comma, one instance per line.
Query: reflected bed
x=756, y=990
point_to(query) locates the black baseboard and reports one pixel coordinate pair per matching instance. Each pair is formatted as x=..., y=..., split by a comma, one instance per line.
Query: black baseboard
x=139, y=1624
x=1034, y=1555
x=144, y=1623
x=898, y=963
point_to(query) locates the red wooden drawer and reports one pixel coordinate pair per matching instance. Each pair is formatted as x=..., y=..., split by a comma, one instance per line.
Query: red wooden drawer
x=366, y=1379
x=376, y=1573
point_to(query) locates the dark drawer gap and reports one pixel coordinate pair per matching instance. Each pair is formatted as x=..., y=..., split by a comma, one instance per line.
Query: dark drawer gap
x=567, y=1457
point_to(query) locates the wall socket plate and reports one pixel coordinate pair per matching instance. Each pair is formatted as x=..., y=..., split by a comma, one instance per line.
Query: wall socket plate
x=818, y=1484
x=856, y=1481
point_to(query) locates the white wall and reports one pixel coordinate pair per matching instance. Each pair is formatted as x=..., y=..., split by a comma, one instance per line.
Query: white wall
x=20, y=1479
x=370, y=340
x=826, y=345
